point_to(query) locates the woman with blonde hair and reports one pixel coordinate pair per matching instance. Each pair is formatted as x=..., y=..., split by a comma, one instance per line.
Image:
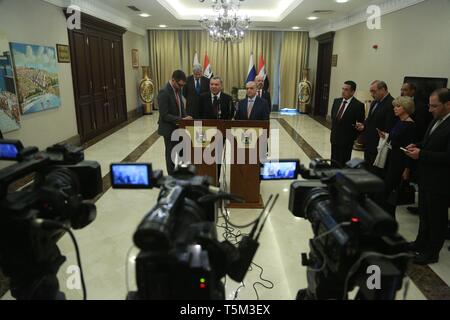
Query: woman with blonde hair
x=398, y=164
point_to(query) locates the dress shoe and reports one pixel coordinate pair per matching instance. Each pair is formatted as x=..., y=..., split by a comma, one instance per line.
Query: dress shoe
x=413, y=210
x=424, y=259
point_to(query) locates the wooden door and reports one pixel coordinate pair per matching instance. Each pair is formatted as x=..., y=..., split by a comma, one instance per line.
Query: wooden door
x=325, y=54
x=82, y=84
x=108, y=80
x=119, y=80
x=98, y=76
x=98, y=92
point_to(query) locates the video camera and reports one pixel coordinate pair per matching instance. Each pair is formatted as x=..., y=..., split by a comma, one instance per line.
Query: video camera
x=33, y=219
x=180, y=256
x=351, y=233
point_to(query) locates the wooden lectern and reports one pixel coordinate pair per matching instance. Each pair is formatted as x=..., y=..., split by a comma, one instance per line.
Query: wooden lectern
x=245, y=173
x=244, y=138
x=203, y=134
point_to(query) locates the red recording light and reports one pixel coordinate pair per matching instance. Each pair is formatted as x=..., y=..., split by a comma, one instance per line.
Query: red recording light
x=355, y=220
x=202, y=286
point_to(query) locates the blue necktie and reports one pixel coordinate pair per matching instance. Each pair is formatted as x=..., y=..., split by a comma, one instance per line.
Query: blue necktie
x=197, y=86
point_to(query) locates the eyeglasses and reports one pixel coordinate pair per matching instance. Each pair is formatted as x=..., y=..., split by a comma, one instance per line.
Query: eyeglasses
x=181, y=84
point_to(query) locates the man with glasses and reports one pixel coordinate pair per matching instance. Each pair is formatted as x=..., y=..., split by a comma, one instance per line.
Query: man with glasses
x=433, y=156
x=171, y=111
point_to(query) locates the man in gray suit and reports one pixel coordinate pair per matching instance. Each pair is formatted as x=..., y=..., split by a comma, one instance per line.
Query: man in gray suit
x=171, y=111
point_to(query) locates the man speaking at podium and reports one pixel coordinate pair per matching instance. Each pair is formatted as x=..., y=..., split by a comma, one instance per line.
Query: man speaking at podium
x=253, y=107
x=216, y=104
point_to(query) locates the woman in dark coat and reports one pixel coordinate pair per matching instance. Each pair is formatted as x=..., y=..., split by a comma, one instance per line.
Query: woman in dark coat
x=398, y=164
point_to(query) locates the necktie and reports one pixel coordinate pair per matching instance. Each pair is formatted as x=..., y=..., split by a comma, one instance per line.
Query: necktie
x=250, y=107
x=259, y=93
x=177, y=98
x=197, y=86
x=341, y=111
x=216, y=105
x=436, y=125
x=374, y=108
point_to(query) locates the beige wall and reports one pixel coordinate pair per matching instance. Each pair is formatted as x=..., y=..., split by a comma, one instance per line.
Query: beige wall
x=413, y=42
x=37, y=22
x=133, y=76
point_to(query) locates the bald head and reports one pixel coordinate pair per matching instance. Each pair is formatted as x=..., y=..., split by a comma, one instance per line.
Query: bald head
x=251, y=89
x=259, y=82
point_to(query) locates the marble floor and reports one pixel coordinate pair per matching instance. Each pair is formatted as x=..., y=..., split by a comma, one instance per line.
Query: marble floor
x=107, y=249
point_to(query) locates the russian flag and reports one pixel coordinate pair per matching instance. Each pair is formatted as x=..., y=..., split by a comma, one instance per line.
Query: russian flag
x=251, y=70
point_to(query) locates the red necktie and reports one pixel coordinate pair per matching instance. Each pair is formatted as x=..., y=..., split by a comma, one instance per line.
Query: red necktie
x=341, y=111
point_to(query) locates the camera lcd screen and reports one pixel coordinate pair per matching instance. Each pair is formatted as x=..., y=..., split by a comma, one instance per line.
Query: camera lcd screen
x=10, y=150
x=280, y=170
x=131, y=176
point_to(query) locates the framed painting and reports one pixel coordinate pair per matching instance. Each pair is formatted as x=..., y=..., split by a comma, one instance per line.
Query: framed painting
x=9, y=102
x=63, y=53
x=37, y=79
x=135, y=58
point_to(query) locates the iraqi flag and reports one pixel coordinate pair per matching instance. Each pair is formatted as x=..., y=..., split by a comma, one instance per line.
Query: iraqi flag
x=251, y=75
x=262, y=72
x=207, y=68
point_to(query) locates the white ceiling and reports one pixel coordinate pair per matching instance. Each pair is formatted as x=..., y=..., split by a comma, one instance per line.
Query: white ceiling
x=266, y=14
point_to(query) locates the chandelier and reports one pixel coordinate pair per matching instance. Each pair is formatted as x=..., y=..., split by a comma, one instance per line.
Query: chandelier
x=227, y=26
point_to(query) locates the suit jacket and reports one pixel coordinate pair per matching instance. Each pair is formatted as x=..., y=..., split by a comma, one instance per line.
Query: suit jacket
x=434, y=160
x=207, y=111
x=422, y=117
x=169, y=114
x=260, y=111
x=382, y=118
x=266, y=96
x=192, y=98
x=343, y=132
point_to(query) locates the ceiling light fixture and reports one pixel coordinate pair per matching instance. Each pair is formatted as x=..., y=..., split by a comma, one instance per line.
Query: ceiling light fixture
x=162, y=26
x=144, y=15
x=312, y=18
x=341, y=1
x=295, y=28
x=227, y=26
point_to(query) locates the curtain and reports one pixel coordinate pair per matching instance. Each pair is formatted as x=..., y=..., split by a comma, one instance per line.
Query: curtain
x=228, y=60
x=171, y=50
x=165, y=56
x=294, y=55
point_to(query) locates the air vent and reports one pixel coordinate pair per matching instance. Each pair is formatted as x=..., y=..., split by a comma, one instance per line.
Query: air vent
x=323, y=11
x=133, y=8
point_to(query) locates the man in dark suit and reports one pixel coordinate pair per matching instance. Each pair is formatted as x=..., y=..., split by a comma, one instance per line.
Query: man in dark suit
x=381, y=117
x=196, y=84
x=262, y=92
x=216, y=104
x=433, y=155
x=253, y=107
x=171, y=110
x=422, y=117
x=346, y=112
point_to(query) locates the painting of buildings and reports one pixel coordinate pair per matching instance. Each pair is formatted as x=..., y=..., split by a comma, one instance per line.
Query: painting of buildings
x=9, y=104
x=37, y=77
